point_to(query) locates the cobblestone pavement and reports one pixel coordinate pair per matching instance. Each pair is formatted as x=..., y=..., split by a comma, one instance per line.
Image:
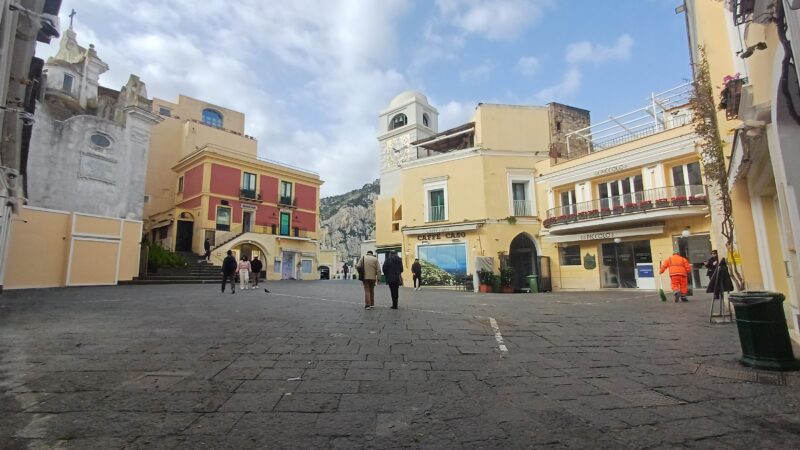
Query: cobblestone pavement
x=307, y=367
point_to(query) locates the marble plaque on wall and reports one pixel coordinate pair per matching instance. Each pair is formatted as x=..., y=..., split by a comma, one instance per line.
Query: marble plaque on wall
x=97, y=168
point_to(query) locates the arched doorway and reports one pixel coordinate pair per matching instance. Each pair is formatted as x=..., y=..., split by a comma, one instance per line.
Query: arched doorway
x=185, y=232
x=522, y=257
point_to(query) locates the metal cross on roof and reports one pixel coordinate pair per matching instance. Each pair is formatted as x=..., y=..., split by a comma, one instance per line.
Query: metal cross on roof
x=71, y=16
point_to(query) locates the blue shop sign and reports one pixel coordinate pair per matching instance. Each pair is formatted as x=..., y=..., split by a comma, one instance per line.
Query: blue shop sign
x=645, y=270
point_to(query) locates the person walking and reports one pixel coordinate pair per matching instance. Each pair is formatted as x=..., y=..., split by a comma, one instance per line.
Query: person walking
x=679, y=271
x=393, y=270
x=345, y=269
x=416, y=271
x=207, y=248
x=229, y=271
x=256, y=267
x=712, y=264
x=369, y=270
x=244, y=273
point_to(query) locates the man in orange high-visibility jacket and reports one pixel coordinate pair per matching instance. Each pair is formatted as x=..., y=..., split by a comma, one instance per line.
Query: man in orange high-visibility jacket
x=679, y=272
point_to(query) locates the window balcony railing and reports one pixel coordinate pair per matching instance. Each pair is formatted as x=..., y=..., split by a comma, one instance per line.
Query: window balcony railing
x=287, y=201
x=249, y=194
x=436, y=213
x=522, y=208
x=633, y=203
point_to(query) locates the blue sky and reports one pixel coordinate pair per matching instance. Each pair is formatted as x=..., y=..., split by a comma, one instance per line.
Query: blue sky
x=312, y=76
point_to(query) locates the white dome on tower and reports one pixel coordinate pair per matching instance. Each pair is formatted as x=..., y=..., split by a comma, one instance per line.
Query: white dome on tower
x=407, y=97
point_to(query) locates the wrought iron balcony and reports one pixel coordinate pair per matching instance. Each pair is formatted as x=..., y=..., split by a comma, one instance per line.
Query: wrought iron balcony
x=287, y=201
x=249, y=194
x=633, y=203
x=436, y=213
x=522, y=208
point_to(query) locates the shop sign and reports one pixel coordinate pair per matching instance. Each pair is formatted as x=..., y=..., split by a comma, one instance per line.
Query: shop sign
x=249, y=206
x=438, y=236
x=598, y=235
x=612, y=169
x=589, y=262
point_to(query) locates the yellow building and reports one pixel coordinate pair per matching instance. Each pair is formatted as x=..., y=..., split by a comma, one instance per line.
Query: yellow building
x=749, y=47
x=613, y=210
x=464, y=199
x=206, y=182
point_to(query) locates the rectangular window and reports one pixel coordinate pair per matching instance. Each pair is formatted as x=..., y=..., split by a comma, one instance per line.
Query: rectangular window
x=286, y=193
x=687, y=180
x=248, y=185
x=306, y=266
x=436, y=202
x=67, y=83
x=180, y=185
x=449, y=259
x=522, y=206
x=285, y=223
x=568, y=202
x=570, y=255
x=223, y=218
x=276, y=265
x=164, y=111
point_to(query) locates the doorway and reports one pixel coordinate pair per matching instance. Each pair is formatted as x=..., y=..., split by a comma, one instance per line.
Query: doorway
x=183, y=240
x=697, y=249
x=619, y=259
x=247, y=221
x=287, y=266
x=522, y=258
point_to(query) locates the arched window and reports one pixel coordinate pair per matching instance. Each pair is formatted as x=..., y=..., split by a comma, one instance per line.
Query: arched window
x=398, y=121
x=212, y=118
x=425, y=121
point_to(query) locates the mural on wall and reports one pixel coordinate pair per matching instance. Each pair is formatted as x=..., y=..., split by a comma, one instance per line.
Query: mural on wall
x=441, y=264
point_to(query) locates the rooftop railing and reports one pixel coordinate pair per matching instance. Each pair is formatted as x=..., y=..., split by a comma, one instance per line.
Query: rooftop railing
x=665, y=110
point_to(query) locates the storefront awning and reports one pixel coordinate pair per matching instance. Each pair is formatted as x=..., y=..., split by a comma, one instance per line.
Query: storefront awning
x=163, y=223
x=605, y=235
x=441, y=229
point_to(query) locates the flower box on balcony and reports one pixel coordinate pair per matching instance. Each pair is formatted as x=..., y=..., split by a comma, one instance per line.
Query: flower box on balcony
x=631, y=207
x=567, y=218
x=645, y=205
x=605, y=212
x=618, y=210
x=662, y=203
x=679, y=201
x=697, y=200
x=593, y=213
x=548, y=222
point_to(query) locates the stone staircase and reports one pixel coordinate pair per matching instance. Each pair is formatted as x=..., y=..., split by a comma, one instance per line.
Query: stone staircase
x=197, y=271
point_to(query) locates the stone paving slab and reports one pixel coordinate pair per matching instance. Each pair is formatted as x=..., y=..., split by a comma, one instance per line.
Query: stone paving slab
x=176, y=367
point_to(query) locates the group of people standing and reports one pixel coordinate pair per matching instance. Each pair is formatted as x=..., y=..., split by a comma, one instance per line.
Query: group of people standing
x=244, y=267
x=680, y=269
x=369, y=271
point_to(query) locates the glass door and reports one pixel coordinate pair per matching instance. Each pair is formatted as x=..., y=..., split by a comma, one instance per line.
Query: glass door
x=285, y=222
x=247, y=221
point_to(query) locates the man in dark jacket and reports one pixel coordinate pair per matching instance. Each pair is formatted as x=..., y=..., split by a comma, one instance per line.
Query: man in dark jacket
x=207, y=248
x=256, y=267
x=416, y=270
x=392, y=270
x=229, y=266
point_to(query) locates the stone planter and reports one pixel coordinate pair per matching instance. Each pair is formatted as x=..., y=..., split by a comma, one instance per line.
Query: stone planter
x=485, y=288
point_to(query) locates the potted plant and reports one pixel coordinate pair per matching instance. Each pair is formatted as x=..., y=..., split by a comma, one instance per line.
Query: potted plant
x=485, y=279
x=662, y=203
x=679, y=200
x=548, y=222
x=506, y=278
x=618, y=209
x=644, y=205
x=697, y=200
x=605, y=212
x=631, y=207
x=593, y=213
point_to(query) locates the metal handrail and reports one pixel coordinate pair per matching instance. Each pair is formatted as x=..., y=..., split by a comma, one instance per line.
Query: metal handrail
x=522, y=208
x=667, y=196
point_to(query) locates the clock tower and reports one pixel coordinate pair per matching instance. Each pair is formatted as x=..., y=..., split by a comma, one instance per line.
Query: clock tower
x=408, y=118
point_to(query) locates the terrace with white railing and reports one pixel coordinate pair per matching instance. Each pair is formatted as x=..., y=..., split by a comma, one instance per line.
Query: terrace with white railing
x=664, y=111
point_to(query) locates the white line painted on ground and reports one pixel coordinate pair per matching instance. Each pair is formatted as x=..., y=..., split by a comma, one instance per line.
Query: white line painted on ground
x=498, y=337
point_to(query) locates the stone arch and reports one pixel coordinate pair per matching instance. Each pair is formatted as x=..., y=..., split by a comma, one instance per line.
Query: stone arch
x=523, y=257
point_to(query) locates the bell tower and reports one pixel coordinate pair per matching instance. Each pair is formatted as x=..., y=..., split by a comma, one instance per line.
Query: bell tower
x=408, y=118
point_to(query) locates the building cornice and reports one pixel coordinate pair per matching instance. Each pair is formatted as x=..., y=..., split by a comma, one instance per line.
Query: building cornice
x=635, y=157
x=210, y=153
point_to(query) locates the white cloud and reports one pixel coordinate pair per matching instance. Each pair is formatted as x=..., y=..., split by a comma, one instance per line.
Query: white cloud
x=528, y=65
x=478, y=72
x=567, y=87
x=454, y=113
x=494, y=19
x=585, y=51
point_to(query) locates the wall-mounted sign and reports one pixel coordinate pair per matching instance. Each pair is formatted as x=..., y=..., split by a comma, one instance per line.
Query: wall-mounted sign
x=612, y=169
x=437, y=236
x=589, y=262
x=598, y=235
x=249, y=206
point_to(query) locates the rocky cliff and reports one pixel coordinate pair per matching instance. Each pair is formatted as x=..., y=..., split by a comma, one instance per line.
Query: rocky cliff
x=349, y=219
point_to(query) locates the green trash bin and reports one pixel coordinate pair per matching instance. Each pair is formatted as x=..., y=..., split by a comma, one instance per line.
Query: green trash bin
x=763, y=333
x=533, y=283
